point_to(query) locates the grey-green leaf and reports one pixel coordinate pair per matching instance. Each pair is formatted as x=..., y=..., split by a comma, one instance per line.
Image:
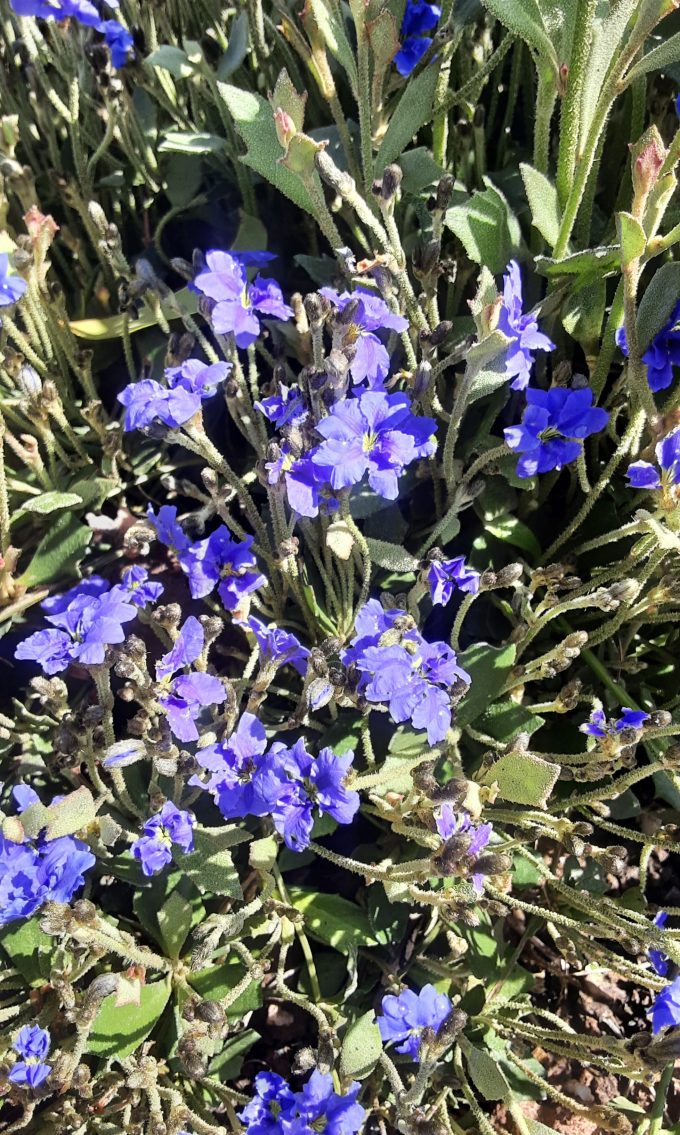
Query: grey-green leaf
x=542, y=198
x=210, y=865
x=58, y=553
x=119, y=1029
x=51, y=502
x=413, y=110
x=523, y=17
x=361, y=1048
x=237, y=48
x=185, y=142
x=333, y=920
x=486, y=1075
x=524, y=778
x=172, y=59
x=656, y=305
x=391, y=556
x=487, y=228
x=489, y=668
x=665, y=55
x=330, y=24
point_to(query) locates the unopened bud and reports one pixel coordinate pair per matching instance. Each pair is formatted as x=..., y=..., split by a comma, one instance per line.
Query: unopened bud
x=422, y=379
x=660, y=719
x=391, y=180
x=509, y=575
x=444, y=193
x=285, y=127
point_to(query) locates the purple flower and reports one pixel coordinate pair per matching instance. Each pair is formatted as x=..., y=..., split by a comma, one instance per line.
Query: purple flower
x=12, y=287
x=599, y=726
x=271, y=1106
x=449, y=825
x=81, y=10
x=33, y=872
x=243, y=782
x=371, y=361
x=374, y=434
x=278, y=647
x=419, y=17
x=118, y=40
x=666, y=1008
x=287, y=408
x=169, y=827
x=148, y=402
x=411, y=52
x=84, y=628
x=662, y=354
x=659, y=960
x=137, y=588
x=404, y=1017
x=33, y=1044
x=221, y=561
x=276, y=1110
x=168, y=530
x=304, y=481
x=312, y=782
x=224, y=280
x=555, y=422
x=62, y=866
x=408, y=675
x=94, y=585
x=183, y=697
x=643, y=475
x=521, y=329
x=444, y=576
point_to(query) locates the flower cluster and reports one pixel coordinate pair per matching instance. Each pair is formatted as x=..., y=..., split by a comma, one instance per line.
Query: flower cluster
x=599, y=726
x=149, y=404
x=405, y=1017
x=32, y=1044
x=168, y=827
x=396, y=667
x=665, y=1012
x=34, y=872
x=662, y=354
x=183, y=696
x=277, y=1110
x=420, y=17
x=86, y=619
x=522, y=329
x=470, y=840
x=286, y=784
x=552, y=430
x=362, y=314
x=117, y=38
x=237, y=303
x=217, y=561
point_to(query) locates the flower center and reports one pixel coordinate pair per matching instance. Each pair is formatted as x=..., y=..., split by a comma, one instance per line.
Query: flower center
x=549, y=434
x=369, y=441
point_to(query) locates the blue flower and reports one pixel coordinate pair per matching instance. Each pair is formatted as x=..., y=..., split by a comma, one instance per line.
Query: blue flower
x=278, y=647
x=521, y=328
x=371, y=361
x=599, y=726
x=643, y=475
x=276, y=1110
x=219, y=561
x=137, y=588
x=409, y=675
x=33, y=1044
x=184, y=696
x=375, y=434
x=662, y=354
x=81, y=10
x=224, y=280
x=419, y=17
x=312, y=782
x=404, y=1017
x=84, y=627
x=12, y=287
x=659, y=960
x=168, y=529
x=148, y=403
x=303, y=480
x=666, y=1008
x=169, y=827
x=118, y=40
x=444, y=576
x=287, y=408
x=555, y=422
x=243, y=782
x=449, y=825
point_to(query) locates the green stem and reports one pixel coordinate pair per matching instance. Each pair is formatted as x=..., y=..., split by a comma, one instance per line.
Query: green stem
x=570, y=119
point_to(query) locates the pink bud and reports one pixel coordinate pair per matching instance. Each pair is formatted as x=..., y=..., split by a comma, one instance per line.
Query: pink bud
x=285, y=127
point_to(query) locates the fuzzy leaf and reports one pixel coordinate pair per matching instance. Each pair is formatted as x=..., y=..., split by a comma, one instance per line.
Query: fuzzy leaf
x=333, y=32
x=632, y=236
x=665, y=55
x=523, y=17
x=489, y=668
x=486, y=1075
x=210, y=865
x=28, y=948
x=487, y=228
x=218, y=980
x=542, y=198
x=58, y=553
x=391, y=556
x=608, y=31
x=413, y=110
x=333, y=920
x=524, y=778
x=656, y=305
x=513, y=531
x=119, y=1029
x=172, y=59
x=237, y=48
x=591, y=262
x=505, y=720
x=189, y=142
x=51, y=502
x=361, y=1048
x=72, y=814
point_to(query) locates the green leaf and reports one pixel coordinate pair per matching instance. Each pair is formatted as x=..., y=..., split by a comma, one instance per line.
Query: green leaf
x=420, y=171
x=632, y=237
x=505, y=720
x=172, y=59
x=254, y=121
x=73, y=814
x=361, y=1048
x=237, y=48
x=333, y=920
x=188, y=142
x=524, y=778
x=523, y=17
x=51, y=502
x=332, y=30
x=656, y=305
x=119, y=1030
x=180, y=911
x=228, y=1063
x=513, y=531
x=665, y=55
x=413, y=110
x=486, y=227
x=112, y=327
x=210, y=864
x=29, y=949
x=588, y=264
x=486, y=1075
x=391, y=556
x=542, y=198
x=488, y=667
x=583, y=313
x=217, y=981
x=609, y=28
x=58, y=553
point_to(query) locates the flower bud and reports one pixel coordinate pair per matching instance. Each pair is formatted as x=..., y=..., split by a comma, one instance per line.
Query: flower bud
x=285, y=127
x=422, y=379
x=391, y=180
x=444, y=193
